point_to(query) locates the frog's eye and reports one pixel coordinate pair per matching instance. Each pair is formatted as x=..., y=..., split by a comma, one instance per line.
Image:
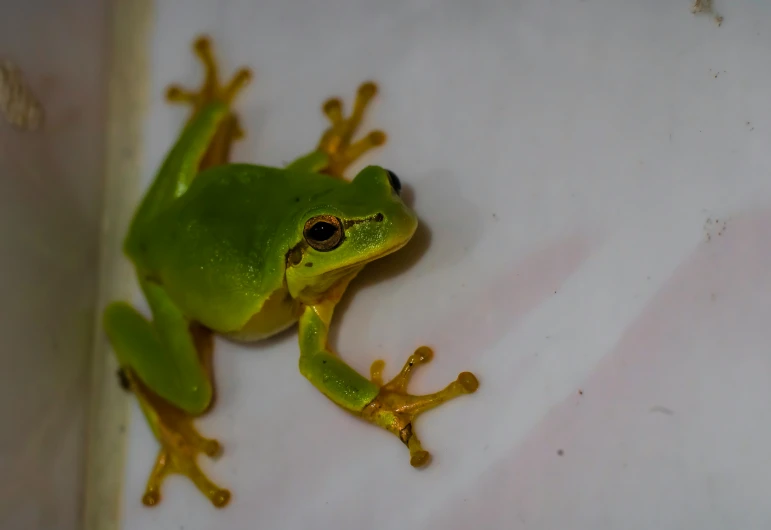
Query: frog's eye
x=396, y=184
x=324, y=232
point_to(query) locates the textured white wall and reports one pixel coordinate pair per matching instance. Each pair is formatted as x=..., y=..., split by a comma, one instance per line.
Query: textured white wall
x=50, y=197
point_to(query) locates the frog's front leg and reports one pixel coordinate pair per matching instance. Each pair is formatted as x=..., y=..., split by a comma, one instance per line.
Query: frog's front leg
x=395, y=410
x=386, y=405
x=336, y=150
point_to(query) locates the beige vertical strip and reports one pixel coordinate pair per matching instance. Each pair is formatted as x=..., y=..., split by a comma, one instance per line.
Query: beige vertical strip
x=130, y=24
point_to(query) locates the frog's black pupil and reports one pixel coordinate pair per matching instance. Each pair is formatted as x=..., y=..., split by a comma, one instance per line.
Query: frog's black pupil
x=396, y=184
x=322, y=231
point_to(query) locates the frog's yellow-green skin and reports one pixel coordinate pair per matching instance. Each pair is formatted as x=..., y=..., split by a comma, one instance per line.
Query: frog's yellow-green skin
x=246, y=251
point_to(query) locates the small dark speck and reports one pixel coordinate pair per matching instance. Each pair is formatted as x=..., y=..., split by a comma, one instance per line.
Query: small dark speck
x=123, y=380
x=323, y=362
x=663, y=410
x=297, y=199
x=309, y=264
x=495, y=217
x=580, y=392
x=122, y=429
x=560, y=452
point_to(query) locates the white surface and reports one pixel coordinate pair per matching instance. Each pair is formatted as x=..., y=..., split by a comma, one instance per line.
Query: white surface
x=50, y=198
x=594, y=176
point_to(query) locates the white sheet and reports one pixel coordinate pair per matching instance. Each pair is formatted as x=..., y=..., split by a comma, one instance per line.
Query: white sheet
x=594, y=177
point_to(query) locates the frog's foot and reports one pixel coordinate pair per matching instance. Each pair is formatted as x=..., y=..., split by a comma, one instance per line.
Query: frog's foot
x=336, y=140
x=213, y=90
x=181, y=444
x=396, y=410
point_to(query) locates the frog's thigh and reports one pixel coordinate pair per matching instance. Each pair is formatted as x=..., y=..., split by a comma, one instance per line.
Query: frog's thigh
x=167, y=363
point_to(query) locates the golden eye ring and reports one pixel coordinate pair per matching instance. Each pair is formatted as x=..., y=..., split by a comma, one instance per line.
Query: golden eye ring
x=323, y=232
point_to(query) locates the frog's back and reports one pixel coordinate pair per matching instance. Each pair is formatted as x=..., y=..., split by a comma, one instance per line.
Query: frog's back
x=220, y=249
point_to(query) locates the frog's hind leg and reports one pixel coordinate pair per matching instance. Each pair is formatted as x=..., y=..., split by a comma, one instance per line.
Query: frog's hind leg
x=204, y=142
x=180, y=445
x=212, y=90
x=167, y=365
x=336, y=141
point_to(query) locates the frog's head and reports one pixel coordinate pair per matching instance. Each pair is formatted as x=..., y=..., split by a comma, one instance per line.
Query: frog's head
x=349, y=227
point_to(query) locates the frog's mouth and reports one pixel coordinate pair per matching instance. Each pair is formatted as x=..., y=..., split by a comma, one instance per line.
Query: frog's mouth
x=359, y=264
x=328, y=280
x=390, y=250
